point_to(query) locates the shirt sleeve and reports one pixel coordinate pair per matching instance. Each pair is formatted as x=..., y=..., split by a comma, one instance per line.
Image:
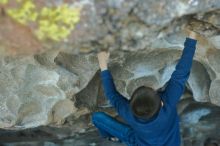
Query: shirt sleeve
x=120, y=103
x=176, y=84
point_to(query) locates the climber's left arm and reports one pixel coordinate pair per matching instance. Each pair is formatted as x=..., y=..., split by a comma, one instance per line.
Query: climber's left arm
x=120, y=103
x=117, y=100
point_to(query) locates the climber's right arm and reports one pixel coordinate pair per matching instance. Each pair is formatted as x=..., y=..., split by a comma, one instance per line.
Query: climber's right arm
x=176, y=84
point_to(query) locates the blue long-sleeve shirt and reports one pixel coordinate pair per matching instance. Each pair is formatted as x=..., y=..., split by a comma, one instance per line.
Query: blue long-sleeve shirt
x=164, y=129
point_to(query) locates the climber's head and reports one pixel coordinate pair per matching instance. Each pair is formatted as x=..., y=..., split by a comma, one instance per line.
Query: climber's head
x=145, y=102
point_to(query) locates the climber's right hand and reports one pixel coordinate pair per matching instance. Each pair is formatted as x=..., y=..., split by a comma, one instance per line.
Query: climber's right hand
x=103, y=58
x=192, y=35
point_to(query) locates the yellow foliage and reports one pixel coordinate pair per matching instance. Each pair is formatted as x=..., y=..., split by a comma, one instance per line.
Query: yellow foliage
x=3, y=1
x=57, y=23
x=54, y=23
x=25, y=13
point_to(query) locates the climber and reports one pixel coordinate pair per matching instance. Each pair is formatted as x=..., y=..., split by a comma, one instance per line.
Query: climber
x=150, y=117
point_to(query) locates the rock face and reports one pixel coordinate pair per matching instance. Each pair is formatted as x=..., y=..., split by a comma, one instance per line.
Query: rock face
x=58, y=84
x=199, y=118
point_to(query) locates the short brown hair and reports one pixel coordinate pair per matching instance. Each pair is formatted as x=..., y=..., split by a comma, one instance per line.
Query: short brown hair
x=145, y=102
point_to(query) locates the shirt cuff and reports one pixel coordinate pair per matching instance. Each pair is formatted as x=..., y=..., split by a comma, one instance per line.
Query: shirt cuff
x=105, y=73
x=190, y=42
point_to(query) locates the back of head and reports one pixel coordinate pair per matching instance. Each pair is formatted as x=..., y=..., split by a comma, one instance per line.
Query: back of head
x=145, y=102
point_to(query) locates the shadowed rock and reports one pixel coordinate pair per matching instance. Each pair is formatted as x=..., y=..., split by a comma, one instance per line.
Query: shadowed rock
x=214, y=92
x=199, y=82
x=200, y=121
